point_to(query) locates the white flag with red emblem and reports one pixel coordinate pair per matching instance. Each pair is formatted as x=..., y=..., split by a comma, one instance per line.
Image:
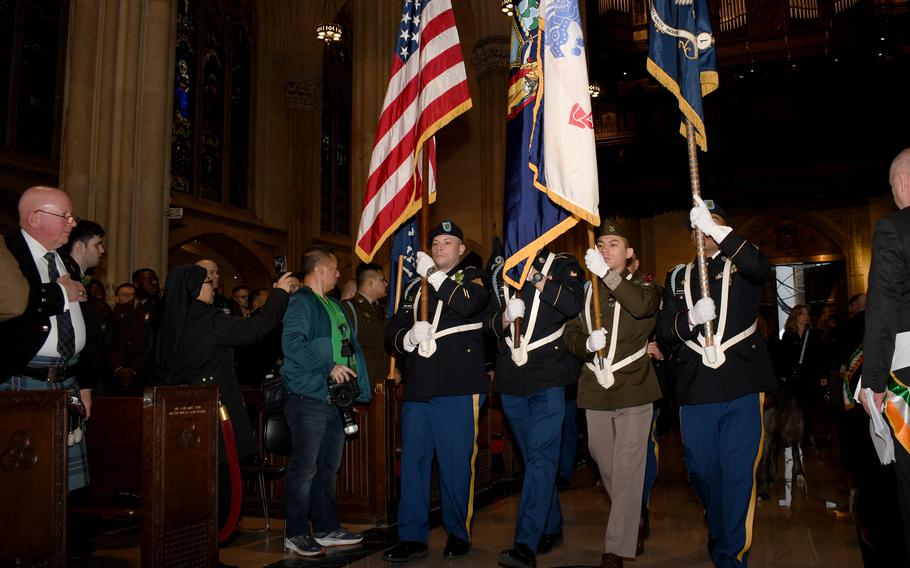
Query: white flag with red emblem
x=570, y=160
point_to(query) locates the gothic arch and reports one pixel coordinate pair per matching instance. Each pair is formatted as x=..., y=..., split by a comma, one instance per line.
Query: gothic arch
x=237, y=263
x=799, y=237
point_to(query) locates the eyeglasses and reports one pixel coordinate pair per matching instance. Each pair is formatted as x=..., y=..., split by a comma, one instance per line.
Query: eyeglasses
x=69, y=218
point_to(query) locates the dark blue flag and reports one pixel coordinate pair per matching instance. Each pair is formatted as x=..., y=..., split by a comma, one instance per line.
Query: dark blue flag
x=493, y=273
x=682, y=57
x=406, y=244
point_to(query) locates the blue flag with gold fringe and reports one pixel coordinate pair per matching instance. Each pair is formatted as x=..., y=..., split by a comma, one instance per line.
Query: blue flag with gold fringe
x=682, y=57
x=405, y=245
x=551, y=171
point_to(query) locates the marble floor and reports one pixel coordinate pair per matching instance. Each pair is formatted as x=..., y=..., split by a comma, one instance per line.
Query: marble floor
x=811, y=531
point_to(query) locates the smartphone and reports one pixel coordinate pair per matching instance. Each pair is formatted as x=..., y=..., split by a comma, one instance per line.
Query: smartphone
x=281, y=264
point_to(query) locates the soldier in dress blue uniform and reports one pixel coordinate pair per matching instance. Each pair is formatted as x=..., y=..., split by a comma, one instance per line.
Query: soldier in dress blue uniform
x=720, y=401
x=532, y=379
x=444, y=388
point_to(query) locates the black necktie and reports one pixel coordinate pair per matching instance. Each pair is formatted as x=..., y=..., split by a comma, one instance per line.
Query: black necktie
x=66, y=336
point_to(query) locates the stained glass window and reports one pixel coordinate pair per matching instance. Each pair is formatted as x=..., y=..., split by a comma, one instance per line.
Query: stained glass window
x=335, y=149
x=32, y=44
x=212, y=104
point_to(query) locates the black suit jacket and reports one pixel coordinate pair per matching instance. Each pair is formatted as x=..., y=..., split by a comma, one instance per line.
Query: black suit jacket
x=888, y=299
x=23, y=336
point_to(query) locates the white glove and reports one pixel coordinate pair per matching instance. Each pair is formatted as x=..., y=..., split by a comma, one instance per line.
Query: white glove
x=515, y=309
x=424, y=263
x=702, y=311
x=437, y=278
x=700, y=216
x=597, y=340
x=596, y=263
x=422, y=331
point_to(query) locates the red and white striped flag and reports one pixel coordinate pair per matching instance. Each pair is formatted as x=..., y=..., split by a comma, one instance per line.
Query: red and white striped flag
x=428, y=88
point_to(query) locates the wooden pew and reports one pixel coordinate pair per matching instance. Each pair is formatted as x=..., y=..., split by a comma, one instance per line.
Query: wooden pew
x=155, y=459
x=33, y=478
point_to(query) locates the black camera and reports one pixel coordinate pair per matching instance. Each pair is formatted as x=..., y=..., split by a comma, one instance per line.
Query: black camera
x=344, y=394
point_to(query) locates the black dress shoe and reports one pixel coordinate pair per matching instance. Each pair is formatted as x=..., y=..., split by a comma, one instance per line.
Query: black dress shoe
x=405, y=551
x=518, y=557
x=456, y=548
x=610, y=560
x=548, y=542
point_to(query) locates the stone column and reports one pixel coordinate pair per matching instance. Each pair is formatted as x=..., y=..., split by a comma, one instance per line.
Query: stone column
x=375, y=25
x=303, y=96
x=115, y=162
x=491, y=62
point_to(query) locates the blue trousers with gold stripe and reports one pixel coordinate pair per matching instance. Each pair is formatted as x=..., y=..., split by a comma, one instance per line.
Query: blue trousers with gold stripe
x=723, y=443
x=446, y=425
x=536, y=423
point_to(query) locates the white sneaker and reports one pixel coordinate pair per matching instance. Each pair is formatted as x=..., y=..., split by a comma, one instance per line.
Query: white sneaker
x=304, y=545
x=338, y=537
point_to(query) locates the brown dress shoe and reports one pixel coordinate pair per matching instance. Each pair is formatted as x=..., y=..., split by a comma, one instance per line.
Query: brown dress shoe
x=610, y=560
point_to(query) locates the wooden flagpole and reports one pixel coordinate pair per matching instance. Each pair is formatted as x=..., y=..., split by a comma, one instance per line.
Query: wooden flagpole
x=595, y=294
x=424, y=227
x=710, y=348
x=397, y=302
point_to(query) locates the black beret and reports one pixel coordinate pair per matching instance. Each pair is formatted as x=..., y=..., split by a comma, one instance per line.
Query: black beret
x=447, y=227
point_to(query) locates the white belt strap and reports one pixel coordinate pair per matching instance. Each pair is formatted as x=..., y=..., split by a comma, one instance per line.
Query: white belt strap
x=722, y=345
x=520, y=355
x=457, y=329
x=426, y=349
x=605, y=376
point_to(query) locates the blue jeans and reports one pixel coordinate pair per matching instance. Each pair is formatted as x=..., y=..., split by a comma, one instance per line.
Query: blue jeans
x=318, y=437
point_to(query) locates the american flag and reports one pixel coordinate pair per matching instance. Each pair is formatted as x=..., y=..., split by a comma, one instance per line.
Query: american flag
x=428, y=88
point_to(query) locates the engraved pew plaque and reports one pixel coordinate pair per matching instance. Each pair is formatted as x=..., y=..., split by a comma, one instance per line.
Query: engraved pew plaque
x=179, y=476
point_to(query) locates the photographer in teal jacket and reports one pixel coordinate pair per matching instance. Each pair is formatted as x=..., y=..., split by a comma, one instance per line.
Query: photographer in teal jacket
x=319, y=346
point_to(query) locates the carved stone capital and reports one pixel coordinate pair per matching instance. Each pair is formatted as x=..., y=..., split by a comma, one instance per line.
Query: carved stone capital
x=491, y=55
x=302, y=92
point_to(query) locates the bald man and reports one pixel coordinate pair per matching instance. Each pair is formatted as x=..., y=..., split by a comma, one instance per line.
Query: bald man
x=50, y=346
x=211, y=267
x=886, y=344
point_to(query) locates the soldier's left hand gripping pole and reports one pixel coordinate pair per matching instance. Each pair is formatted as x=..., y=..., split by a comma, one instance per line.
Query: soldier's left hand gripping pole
x=710, y=348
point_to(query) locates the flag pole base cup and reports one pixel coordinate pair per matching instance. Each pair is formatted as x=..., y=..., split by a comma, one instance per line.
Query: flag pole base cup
x=711, y=353
x=426, y=348
x=604, y=378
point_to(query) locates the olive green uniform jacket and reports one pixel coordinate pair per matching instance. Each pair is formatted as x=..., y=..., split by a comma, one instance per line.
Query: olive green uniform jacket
x=369, y=321
x=636, y=383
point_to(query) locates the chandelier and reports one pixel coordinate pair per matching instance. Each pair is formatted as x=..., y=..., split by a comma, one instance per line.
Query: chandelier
x=594, y=90
x=507, y=7
x=327, y=31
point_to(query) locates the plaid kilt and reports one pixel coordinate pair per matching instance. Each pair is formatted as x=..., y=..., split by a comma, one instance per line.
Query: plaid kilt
x=77, y=461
